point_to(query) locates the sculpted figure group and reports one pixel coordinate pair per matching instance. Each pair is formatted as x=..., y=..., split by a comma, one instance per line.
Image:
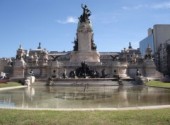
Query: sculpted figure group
x=86, y=13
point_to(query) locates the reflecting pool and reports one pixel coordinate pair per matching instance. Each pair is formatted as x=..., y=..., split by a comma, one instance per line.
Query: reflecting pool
x=40, y=96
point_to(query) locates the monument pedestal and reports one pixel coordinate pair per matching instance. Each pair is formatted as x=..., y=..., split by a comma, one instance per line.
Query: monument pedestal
x=119, y=69
x=92, y=56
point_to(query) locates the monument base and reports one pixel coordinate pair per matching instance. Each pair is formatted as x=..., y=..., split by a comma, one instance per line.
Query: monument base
x=91, y=56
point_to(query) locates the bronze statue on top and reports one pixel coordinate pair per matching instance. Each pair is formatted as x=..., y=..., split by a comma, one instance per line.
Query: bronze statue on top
x=86, y=13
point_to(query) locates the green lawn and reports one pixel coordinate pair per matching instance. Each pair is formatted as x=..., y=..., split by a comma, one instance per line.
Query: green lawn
x=9, y=84
x=131, y=117
x=158, y=84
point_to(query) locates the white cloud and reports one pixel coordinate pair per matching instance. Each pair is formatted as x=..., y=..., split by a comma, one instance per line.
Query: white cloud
x=165, y=5
x=69, y=19
x=141, y=6
x=125, y=8
x=106, y=17
x=135, y=7
x=72, y=20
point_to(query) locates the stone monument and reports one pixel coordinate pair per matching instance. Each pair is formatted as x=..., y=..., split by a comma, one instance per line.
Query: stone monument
x=84, y=61
x=84, y=48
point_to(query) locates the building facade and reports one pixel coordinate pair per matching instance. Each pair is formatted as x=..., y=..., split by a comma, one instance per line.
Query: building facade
x=145, y=42
x=157, y=39
x=163, y=58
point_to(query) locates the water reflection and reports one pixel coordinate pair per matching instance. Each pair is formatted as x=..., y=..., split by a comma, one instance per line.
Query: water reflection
x=30, y=92
x=84, y=97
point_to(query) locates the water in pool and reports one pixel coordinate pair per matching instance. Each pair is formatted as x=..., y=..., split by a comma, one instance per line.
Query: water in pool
x=84, y=97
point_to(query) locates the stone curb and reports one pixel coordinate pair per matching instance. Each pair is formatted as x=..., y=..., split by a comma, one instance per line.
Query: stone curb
x=9, y=88
x=92, y=109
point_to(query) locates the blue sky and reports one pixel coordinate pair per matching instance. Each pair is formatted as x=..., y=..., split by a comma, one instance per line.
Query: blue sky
x=54, y=22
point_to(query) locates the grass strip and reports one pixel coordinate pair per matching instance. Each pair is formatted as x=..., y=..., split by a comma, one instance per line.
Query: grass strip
x=158, y=84
x=130, y=117
x=9, y=84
